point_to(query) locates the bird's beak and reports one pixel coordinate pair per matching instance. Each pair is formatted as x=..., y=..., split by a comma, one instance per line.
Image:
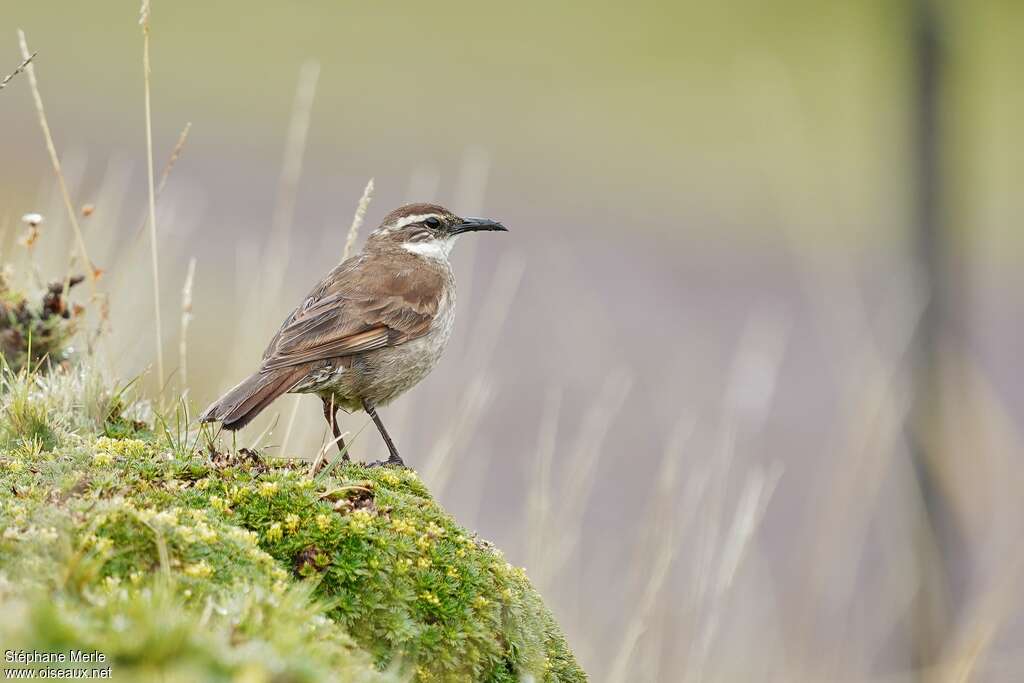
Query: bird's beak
x=475, y=224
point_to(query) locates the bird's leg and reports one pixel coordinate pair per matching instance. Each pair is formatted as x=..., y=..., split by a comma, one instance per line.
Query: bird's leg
x=331, y=415
x=393, y=458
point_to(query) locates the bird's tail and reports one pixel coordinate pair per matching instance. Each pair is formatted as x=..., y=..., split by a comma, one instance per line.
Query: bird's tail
x=240, y=405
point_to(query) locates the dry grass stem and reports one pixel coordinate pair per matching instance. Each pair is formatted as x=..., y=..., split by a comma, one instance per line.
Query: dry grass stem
x=657, y=561
x=21, y=67
x=168, y=167
x=539, y=497
x=186, y=318
x=254, y=444
x=153, y=248
x=470, y=188
x=357, y=220
x=438, y=468
x=582, y=464
x=92, y=273
x=291, y=169
x=473, y=401
x=275, y=253
x=295, y=400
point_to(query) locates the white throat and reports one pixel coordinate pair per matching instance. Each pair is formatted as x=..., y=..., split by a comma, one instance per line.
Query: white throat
x=432, y=249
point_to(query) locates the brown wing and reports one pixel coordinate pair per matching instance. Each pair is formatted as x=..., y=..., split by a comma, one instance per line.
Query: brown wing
x=366, y=303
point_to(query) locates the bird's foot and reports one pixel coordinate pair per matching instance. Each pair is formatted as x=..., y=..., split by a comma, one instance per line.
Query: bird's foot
x=393, y=461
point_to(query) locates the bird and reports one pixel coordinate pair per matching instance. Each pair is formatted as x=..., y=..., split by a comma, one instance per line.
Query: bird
x=369, y=331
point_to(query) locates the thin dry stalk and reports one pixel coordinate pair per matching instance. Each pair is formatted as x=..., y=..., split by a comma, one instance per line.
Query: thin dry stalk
x=92, y=272
x=186, y=318
x=665, y=546
x=726, y=553
x=21, y=67
x=470, y=187
x=485, y=335
x=620, y=668
x=166, y=172
x=269, y=429
x=291, y=170
x=288, y=426
x=582, y=464
x=539, y=500
x=470, y=410
x=499, y=297
x=153, y=249
x=357, y=220
x=275, y=253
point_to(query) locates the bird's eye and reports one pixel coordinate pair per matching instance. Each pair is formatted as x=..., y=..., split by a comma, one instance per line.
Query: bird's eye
x=432, y=223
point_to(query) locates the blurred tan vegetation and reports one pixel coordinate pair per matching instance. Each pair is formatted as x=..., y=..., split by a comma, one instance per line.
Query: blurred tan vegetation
x=678, y=393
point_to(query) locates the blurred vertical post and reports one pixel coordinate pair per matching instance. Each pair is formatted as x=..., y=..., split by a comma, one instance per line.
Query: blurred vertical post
x=931, y=250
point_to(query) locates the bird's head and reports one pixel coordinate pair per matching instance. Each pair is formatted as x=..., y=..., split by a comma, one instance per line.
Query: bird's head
x=427, y=230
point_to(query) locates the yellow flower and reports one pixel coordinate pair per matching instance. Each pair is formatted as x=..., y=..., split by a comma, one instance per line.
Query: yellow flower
x=219, y=504
x=203, y=484
x=102, y=458
x=323, y=521
x=291, y=522
x=132, y=448
x=274, y=532
x=390, y=478
x=206, y=533
x=403, y=565
x=424, y=562
x=424, y=542
x=186, y=534
x=434, y=530
x=168, y=517
x=359, y=520
x=279, y=574
x=279, y=587
x=452, y=572
x=403, y=526
x=199, y=570
x=481, y=601
x=15, y=466
x=427, y=596
x=268, y=488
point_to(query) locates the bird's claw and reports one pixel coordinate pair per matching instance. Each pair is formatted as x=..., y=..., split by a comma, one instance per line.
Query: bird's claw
x=387, y=463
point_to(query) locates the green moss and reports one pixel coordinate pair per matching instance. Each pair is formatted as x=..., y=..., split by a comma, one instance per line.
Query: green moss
x=171, y=558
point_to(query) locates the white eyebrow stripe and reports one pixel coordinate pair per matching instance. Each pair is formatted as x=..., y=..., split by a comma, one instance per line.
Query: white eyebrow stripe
x=417, y=218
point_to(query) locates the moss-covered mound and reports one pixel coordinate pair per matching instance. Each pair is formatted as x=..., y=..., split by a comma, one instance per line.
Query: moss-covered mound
x=182, y=562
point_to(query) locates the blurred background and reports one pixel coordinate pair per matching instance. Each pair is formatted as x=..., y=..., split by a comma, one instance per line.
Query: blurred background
x=740, y=389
